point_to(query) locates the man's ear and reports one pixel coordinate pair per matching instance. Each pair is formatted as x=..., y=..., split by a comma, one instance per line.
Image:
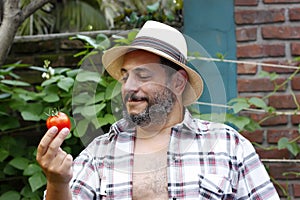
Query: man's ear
x=180, y=79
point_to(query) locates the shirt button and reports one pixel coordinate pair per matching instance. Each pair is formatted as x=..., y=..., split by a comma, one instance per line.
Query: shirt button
x=176, y=158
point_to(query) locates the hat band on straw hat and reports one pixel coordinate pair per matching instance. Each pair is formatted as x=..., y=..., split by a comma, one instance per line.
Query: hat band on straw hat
x=160, y=46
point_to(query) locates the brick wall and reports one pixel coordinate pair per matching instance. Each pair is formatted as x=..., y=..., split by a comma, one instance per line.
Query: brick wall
x=268, y=31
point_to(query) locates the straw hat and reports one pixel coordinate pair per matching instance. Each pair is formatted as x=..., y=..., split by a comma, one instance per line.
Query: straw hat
x=162, y=40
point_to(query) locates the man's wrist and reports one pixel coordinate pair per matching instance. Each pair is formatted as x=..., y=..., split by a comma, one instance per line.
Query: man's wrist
x=57, y=191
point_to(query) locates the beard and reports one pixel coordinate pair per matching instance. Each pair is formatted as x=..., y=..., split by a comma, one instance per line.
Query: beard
x=155, y=113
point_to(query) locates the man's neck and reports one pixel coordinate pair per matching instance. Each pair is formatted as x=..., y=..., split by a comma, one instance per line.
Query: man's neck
x=154, y=130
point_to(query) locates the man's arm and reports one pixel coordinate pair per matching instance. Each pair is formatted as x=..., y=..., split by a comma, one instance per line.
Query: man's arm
x=56, y=164
x=254, y=181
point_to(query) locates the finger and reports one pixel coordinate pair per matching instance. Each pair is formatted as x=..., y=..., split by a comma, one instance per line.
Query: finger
x=54, y=146
x=58, y=160
x=45, y=141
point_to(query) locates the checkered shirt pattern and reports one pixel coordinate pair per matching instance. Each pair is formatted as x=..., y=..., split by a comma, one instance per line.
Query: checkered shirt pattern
x=205, y=161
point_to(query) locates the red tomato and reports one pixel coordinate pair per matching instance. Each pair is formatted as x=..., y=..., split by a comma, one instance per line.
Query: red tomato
x=60, y=120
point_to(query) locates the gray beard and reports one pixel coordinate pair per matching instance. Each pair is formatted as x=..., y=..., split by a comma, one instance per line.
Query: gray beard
x=157, y=111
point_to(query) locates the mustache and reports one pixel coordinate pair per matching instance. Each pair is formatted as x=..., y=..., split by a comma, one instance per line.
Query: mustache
x=134, y=97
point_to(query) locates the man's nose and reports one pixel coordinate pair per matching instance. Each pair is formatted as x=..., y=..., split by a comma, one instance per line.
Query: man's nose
x=131, y=84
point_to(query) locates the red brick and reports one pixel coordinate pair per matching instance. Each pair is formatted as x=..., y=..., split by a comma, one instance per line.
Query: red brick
x=294, y=14
x=296, y=83
x=280, y=70
x=284, y=101
x=256, y=136
x=277, y=170
x=246, y=2
x=259, y=16
x=296, y=119
x=266, y=120
x=295, y=48
x=246, y=69
x=258, y=85
x=273, y=154
x=259, y=51
x=296, y=189
x=281, y=32
x=280, y=1
x=274, y=135
x=246, y=34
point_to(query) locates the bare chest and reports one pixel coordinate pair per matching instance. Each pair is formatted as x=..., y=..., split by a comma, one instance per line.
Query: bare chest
x=150, y=176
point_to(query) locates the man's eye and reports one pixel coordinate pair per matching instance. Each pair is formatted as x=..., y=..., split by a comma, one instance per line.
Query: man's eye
x=144, y=76
x=124, y=78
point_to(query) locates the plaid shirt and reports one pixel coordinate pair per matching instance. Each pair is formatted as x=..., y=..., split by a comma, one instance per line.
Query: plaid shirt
x=205, y=161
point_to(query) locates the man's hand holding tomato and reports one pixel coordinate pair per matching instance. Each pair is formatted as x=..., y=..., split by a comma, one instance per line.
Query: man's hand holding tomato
x=56, y=163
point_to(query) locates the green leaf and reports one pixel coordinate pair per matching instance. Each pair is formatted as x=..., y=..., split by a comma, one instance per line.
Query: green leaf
x=293, y=148
x=81, y=98
x=252, y=126
x=31, y=169
x=93, y=110
x=61, y=70
x=32, y=112
x=10, y=195
x=37, y=181
x=153, y=7
x=84, y=76
x=272, y=76
x=102, y=121
x=19, y=163
x=87, y=39
x=237, y=107
x=40, y=69
x=28, y=194
x=53, y=79
x=25, y=94
x=9, y=170
x=81, y=128
x=112, y=90
x=3, y=154
x=282, y=143
x=239, y=121
x=51, y=98
x=4, y=95
x=237, y=100
x=65, y=83
x=132, y=35
x=99, y=97
x=8, y=122
x=102, y=42
x=15, y=83
x=257, y=102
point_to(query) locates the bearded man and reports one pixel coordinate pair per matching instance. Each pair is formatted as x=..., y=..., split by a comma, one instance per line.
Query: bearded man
x=158, y=150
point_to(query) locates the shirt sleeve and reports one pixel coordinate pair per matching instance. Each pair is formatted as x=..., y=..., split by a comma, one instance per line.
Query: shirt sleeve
x=254, y=181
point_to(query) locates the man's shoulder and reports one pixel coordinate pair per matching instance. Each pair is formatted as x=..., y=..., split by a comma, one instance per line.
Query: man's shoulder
x=217, y=128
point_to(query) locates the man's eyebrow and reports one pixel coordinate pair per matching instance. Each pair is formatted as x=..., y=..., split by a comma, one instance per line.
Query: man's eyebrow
x=123, y=70
x=138, y=69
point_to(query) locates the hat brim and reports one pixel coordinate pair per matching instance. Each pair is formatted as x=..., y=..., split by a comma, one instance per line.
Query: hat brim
x=112, y=60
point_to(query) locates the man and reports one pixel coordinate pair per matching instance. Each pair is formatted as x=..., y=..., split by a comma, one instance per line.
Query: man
x=157, y=151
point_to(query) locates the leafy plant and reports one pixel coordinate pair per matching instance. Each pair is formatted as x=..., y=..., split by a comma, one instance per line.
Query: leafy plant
x=132, y=14
x=24, y=108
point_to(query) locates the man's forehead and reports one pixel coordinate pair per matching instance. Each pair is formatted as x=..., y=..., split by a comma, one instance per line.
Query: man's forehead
x=148, y=67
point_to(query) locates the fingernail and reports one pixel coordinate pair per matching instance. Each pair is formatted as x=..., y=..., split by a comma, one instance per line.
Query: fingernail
x=53, y=130
x=65, y=131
